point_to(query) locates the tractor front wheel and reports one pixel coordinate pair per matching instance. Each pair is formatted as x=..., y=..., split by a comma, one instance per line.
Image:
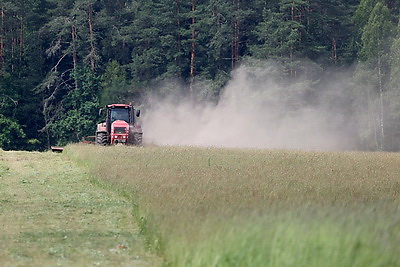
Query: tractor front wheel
x=101, y=139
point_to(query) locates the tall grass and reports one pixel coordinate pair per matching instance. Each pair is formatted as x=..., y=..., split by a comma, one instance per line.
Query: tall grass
x=3, y=167
x=227, y=207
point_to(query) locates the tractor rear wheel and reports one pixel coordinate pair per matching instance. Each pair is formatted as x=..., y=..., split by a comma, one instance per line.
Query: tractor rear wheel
x=101, y=139
x=137, y=139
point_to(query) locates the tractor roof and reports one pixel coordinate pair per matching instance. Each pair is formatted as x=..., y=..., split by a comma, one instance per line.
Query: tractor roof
x=118, y=106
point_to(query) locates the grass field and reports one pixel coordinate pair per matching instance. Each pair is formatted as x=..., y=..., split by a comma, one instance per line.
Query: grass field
x=52, y=215
x=228, y=207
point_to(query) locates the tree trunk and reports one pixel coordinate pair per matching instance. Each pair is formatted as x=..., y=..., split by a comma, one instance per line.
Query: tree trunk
x=13, y=48
x=334, y=50
x=21, y=38
x=2, y=39
x=193, y=52
x=236, y=35
x=179, y=38
x=92, y=54
x=73, y=36
x=372, y=118
x=74, y=54
x=291, y=53
x=381, y=115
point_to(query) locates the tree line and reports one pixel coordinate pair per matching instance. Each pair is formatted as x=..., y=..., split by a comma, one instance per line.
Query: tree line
x=61, y=60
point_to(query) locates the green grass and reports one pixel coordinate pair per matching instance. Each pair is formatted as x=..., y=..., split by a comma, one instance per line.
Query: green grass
x=288, y=242
x=231, y=207
x=51, y=215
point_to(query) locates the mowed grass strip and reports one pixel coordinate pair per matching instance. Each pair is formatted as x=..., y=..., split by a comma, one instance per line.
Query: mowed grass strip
x=231, y=207
x=52, y=215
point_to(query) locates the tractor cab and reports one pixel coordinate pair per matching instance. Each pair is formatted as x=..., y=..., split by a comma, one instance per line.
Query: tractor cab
x=120, y=114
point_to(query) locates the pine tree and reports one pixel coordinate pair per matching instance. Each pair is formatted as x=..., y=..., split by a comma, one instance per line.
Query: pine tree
x=80, y=109
x=329, y=31
x=376, y=41
x=114, y=84
x=282, y=34
x=154, y=41
x=393, y=96
x=21, y=64
x=73, y=48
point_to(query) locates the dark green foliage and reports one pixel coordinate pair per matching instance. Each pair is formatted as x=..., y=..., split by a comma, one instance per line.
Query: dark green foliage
x=60, y=59
x=11, y=134
x=79, y=112
x=114, y=84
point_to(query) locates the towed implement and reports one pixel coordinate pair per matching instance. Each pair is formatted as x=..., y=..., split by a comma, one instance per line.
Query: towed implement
x=120, y=127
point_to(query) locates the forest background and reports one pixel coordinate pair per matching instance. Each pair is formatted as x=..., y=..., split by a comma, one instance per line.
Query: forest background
x=62, y=60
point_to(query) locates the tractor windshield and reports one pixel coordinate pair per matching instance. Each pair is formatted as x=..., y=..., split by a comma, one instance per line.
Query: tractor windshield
x=120, y=114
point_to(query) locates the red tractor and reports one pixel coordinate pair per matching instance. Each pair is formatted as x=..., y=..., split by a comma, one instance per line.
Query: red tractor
x=120, y=126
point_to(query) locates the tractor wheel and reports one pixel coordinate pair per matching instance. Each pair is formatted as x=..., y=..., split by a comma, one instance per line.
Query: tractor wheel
x=101, y=139
x=137, y=139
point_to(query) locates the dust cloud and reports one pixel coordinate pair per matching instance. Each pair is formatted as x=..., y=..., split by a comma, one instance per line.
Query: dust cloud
x=258, y=108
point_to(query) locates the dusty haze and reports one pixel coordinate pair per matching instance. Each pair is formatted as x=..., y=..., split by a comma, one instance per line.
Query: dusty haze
x=257, y=109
